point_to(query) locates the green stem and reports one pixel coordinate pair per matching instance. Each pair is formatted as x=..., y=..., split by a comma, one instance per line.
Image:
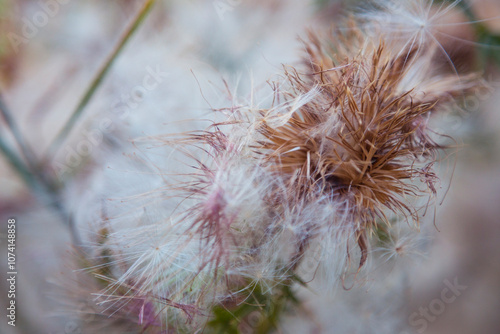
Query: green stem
x=30, y=173
x=96, y=82
x=26, y=151
x=18, y=165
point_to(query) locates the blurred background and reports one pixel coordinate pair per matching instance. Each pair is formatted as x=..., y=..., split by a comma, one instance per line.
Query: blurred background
x=64, y=112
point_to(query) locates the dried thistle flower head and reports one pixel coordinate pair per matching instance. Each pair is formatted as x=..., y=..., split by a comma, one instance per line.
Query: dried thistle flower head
x=363, y=137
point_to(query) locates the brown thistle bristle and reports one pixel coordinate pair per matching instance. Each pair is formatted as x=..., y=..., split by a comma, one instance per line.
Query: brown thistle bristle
x=360, y=138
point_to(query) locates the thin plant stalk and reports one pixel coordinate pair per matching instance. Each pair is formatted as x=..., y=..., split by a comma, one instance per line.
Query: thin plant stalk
x=30, y=172
x=98, y=79
x=38, y=185
x=26, y=150
x=17, y=164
